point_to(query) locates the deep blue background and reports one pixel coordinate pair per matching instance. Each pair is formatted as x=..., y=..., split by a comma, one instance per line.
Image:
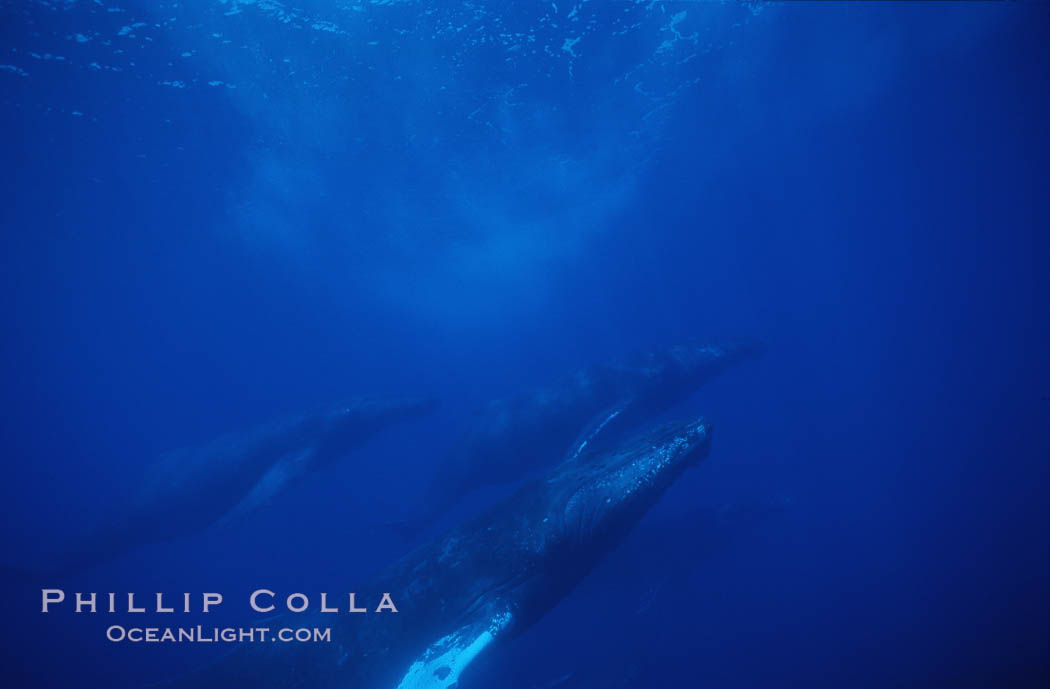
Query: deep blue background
x=863, y=186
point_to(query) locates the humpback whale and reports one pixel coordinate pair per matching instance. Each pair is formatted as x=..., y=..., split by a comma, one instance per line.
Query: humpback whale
x=481, y=583
x=190, y=489
x=511, y=437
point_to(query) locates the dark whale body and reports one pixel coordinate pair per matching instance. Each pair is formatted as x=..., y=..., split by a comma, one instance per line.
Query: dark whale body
x=511, y=437
x=479, y=584
x=190, y=489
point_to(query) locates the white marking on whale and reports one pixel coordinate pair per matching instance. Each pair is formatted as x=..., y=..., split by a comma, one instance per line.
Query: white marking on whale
x=442, y=663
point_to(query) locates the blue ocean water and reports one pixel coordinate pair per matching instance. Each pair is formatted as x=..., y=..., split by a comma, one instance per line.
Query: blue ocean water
x=218, y=213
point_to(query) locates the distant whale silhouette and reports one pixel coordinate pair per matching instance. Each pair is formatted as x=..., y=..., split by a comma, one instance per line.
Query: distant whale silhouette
x=478, y=585
x=190, y=489
x=510, y=437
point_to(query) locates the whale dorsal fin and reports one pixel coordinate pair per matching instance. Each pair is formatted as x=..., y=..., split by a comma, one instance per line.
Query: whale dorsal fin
x=442, y=663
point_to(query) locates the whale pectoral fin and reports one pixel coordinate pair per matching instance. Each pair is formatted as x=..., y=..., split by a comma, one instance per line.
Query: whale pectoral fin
x=585, y=441
x=440, y=666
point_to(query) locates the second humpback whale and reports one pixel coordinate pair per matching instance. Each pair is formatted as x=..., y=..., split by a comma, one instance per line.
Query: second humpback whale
x=513, y=436
x=193, y=488
x=478, y=585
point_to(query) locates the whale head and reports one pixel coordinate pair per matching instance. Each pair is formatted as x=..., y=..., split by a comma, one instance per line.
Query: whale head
x=347, y=424
x=605, y=494
x=699, y=357
x=367, y=409
x=565, y=523
x=664, y=377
